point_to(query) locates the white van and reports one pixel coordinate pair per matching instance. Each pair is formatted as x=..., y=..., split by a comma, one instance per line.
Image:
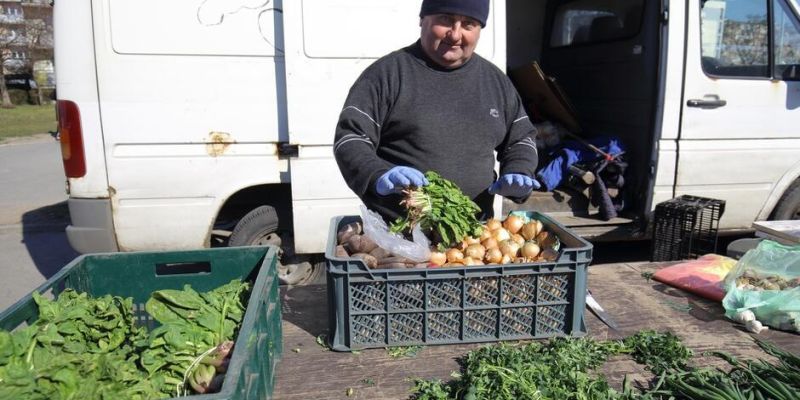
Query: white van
x=187, y=120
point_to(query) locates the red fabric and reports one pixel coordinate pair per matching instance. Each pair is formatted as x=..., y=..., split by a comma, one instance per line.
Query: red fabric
x=704, y=276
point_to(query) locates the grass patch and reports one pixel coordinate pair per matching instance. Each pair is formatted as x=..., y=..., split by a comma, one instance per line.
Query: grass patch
x=26, y=120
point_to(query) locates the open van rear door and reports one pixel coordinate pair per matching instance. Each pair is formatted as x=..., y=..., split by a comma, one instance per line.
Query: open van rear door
x=739, y=130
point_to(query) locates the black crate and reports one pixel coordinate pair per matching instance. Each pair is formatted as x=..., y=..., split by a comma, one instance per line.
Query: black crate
x=400, y=307
x=685, y=228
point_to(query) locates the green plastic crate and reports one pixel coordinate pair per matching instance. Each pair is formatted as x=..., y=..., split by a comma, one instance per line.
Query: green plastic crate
x=371, y=308
x=258, y=346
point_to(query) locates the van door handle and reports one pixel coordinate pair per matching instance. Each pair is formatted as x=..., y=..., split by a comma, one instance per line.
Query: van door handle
x=708, y=101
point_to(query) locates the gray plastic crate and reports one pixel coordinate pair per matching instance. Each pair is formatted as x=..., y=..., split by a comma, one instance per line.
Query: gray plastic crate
x=371, y=308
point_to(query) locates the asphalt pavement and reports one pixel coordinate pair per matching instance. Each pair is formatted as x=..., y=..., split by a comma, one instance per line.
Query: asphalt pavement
x=33, y=215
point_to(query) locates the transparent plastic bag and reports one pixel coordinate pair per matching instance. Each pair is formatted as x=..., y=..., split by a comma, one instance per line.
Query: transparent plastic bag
x=376, y=229
x=766, y=281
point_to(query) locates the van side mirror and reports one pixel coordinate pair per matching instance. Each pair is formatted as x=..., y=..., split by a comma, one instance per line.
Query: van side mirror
x=791, y=73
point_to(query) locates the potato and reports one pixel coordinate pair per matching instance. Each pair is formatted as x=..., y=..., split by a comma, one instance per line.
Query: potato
x=360, y=244
x=353, y=228
x=369, y=261
x=380, y=252
x=340, y=251
x=395, y=259
x=367, y=244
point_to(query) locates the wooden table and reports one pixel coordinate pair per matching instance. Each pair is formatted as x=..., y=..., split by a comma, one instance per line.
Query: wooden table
x=309, y=371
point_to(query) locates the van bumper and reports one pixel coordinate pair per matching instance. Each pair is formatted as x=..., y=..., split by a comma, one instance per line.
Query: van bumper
x=92, y=228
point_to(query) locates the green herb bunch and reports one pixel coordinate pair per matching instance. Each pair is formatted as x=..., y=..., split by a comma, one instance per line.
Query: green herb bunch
x=440, y=209
x=556, y=370
x=564, y=368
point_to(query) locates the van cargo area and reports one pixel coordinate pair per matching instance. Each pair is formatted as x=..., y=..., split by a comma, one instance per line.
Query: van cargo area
x=607, y=64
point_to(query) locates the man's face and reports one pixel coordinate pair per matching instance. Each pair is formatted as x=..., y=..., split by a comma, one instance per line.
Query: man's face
x=449, y=40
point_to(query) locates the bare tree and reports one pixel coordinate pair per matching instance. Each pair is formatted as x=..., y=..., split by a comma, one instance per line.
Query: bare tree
x=746, y=42
x=38, y=39
x=10, y=39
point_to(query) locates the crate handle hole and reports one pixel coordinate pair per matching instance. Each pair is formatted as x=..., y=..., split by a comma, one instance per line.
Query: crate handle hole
x=183, y=268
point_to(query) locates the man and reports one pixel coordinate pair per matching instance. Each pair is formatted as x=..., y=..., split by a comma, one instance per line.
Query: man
x=435, y=105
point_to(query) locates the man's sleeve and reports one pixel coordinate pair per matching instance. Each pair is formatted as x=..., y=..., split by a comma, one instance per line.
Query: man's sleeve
x=517, y=152
x=358, y=134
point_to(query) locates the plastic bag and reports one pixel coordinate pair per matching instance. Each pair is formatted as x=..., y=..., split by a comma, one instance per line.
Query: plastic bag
x=376, y=229
x=766, y=281
x=704, y=276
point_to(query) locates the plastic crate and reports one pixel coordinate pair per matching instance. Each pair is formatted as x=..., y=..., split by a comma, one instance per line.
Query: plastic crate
x=685, y=227
x=400, y=307
x=258, y=346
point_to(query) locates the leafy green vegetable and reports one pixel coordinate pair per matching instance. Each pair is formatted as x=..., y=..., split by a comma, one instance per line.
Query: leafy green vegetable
x=403, y=351
x=563, y=369
x=91, y=348
x=80, y=347
x=441, y=209
x=196, y=331
x=660, y=351
x=556, y=370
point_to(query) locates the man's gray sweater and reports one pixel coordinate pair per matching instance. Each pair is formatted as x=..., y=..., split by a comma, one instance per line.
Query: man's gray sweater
x=405, y=111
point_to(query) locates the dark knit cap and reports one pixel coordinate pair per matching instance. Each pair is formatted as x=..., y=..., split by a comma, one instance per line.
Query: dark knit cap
x=478, y=9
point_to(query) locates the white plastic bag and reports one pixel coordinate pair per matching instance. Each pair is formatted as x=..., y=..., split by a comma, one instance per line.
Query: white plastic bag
x=376, y=229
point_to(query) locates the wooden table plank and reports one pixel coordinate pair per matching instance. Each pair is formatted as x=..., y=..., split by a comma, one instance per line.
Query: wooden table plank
x=308, y=371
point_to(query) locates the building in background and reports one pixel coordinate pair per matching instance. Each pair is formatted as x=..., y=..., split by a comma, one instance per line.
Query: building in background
x=26, y=47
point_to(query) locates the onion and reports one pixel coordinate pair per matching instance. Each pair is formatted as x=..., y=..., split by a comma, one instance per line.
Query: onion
x=476, y=251
x=493, y=224
x=438, y=258
x=542, y=236
x=490, y=243
x=468, y=261
x=493, y=256
x=505, y=259
x=530, y=230
x=513, y=223
x=518, y=239
x=468, y=240
x=530, y=250
x=509, y=248
x=485, y=234
x=455, y=256
x=500, y=234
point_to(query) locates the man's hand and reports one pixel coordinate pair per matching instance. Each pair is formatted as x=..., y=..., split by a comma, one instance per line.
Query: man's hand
x=397, y=178
x=514, y=185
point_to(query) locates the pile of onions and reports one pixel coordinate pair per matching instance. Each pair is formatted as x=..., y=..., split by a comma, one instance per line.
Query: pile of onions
x=501, y=242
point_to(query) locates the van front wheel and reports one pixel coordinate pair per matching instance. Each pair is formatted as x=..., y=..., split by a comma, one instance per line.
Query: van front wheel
x=257, y=228
x=789, y=205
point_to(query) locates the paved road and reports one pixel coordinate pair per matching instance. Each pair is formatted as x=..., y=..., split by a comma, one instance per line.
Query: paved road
x=33, y=214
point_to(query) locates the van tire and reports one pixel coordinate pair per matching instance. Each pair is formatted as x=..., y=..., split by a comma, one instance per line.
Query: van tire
x=258, y=227
x=789, y=205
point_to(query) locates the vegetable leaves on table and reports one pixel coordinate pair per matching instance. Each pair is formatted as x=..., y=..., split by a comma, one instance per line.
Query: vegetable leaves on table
x=565, y=368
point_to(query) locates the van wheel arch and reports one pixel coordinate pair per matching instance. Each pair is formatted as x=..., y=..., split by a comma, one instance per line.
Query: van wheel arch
x=788, y=206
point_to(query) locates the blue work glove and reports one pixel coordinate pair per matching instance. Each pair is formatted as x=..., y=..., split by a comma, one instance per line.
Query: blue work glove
x=514, y=186
x=397, y=178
